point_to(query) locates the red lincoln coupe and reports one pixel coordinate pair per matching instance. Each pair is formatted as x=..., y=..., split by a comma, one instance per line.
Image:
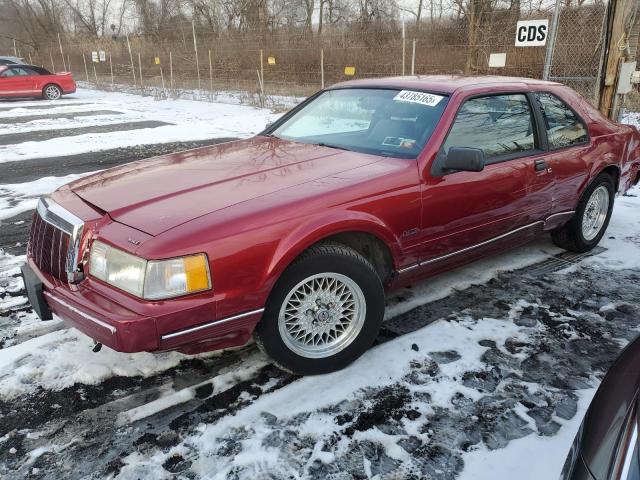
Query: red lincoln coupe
x=31, y=81
x=295, y=234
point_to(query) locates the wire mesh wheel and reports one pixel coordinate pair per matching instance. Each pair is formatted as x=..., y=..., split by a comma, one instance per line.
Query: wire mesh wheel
x=322, y=315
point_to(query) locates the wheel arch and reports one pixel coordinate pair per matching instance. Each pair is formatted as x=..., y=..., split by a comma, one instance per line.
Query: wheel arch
x=44, y=87
x=366, y=235
x=614, y=172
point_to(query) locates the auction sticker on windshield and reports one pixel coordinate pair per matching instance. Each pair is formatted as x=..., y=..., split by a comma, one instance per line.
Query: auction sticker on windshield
x=428, y=99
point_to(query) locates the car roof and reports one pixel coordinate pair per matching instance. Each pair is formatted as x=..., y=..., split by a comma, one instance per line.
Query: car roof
x=15, y=59
x=442, y=83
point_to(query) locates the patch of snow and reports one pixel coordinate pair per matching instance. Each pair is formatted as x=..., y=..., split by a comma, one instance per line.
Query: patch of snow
x=190, y=120
x=21, y=197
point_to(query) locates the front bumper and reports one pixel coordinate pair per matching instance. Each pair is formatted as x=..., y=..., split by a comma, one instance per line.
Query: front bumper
x=186, y=325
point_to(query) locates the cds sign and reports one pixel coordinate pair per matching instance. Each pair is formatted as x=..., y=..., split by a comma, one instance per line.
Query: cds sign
x=532, y=33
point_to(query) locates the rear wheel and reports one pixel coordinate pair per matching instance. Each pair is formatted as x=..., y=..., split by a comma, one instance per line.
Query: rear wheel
x=588, y=225
x=323, y=313
x=51, y=92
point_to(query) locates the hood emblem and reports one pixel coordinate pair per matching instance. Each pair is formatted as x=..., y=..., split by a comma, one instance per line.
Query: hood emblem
x=133, y=241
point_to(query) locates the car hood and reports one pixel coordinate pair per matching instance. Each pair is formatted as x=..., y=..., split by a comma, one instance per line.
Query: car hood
x=158, y=194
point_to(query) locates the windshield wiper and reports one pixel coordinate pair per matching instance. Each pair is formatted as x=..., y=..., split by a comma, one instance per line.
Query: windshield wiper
x=337, y=147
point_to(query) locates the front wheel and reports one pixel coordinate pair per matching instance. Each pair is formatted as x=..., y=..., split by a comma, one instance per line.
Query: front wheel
x=324, y=312
x=586, y=228
x=51, y=92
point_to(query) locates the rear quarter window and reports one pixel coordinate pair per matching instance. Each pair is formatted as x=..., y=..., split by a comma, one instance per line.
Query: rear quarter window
x=564, y=128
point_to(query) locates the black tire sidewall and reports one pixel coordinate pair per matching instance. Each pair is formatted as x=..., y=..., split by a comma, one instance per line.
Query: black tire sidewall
x=350, y=266
x=601, y=180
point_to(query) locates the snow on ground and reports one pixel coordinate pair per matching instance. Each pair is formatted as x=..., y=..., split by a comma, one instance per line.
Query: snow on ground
x=20, y=197
x=631, y=118
x=476, y=374
x=190, y=120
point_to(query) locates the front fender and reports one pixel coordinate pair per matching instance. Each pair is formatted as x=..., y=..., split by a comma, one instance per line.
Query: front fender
x=325, y=226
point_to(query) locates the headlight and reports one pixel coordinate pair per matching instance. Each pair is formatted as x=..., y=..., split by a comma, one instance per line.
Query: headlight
x=153, y=279
x=177, y=276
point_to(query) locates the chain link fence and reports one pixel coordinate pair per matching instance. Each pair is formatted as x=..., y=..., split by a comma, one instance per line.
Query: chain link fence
x=262, y=67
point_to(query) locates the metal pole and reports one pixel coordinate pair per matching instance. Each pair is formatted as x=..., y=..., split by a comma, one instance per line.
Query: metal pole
x=133, y=68
x=64, y=65
x=86, y=70
x=403, y=48
x=413, y=58
x=551, y=44
x=170, y=71
x=322, y=67
x=210, y=73
x=95, y=74
x=140, y=67
x=195, y=48
x=111, y=68
x=261, y=75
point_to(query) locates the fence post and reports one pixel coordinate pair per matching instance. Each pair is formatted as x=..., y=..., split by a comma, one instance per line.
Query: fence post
x=111, y=69
x=210, y=73
x=68, y=62
x=140, y=67
x=30, y=61
x=262, y=75
x=162, y=79
x=322, y=67
x=64, y=65
x=170, y=71
x=53, y=66
x=133, y=69
x=551, y=45
x=195, y=48
x=86, y=70
x=15, y=49
x=403, y=48
x=413, y=58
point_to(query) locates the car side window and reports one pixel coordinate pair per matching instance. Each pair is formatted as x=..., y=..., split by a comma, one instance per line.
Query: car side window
x=11, y=72
x=563, y=126
x=17, y=72
x=499, y=125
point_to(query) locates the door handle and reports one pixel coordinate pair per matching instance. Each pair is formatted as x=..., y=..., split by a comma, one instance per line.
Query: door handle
x=540, y=165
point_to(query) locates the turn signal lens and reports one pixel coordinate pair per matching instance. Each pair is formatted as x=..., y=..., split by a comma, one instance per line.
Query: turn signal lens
x=176, y=276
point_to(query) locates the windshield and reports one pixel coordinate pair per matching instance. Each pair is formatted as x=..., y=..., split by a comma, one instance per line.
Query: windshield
x=395, y=123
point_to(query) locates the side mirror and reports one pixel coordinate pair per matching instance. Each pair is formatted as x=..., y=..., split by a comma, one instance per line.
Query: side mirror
x=464, y=159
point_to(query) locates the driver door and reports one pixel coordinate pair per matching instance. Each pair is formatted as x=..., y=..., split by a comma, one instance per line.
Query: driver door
x=16, y=82
x=467, y=213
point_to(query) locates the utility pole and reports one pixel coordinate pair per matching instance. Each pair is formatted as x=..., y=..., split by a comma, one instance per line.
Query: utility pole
x=620, y=16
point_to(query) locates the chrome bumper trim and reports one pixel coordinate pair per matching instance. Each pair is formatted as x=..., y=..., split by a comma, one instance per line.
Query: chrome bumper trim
x=84, y=315
x=210, y=324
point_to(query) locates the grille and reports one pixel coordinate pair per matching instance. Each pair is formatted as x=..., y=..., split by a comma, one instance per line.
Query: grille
x=49, y=246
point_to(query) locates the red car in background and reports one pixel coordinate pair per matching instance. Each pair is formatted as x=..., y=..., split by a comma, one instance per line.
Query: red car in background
x=18, y=81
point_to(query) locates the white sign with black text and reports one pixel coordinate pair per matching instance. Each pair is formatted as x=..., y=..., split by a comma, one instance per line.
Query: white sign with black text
x=532, y=33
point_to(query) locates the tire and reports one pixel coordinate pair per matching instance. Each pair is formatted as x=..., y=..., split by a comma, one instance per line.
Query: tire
x=335, y=291
x=51, y=92
x=572, y=236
